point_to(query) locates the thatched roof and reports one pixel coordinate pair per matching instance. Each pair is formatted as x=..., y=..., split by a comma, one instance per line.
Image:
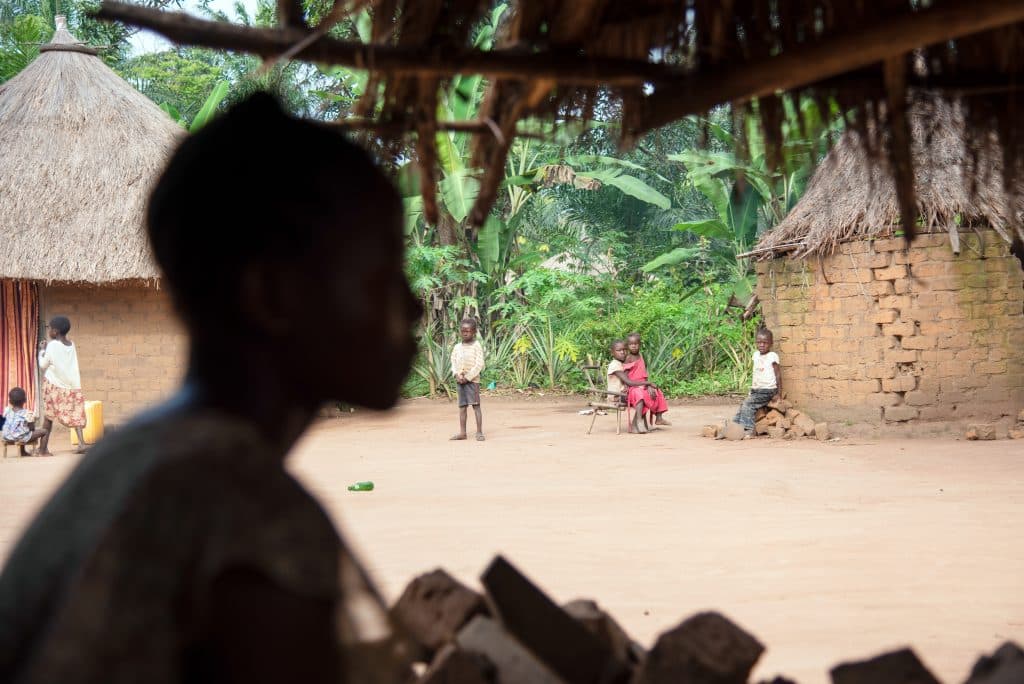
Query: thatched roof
x=850, y=197
x=80, y=151
x=649, y=62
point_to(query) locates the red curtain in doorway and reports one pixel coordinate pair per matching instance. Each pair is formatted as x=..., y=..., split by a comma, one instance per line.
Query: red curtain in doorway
x=19, y=338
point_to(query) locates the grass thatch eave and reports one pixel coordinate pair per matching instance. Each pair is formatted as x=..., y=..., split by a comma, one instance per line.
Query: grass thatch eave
x=851, y=197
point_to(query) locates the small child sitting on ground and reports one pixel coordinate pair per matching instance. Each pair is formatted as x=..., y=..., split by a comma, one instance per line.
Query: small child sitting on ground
x=18, y=421
x=467, y=364
x=766, y=384
x=619, y=385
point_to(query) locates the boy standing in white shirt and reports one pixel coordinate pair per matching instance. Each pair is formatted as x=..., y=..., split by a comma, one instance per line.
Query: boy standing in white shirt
x=467, y=364
x=766, y=384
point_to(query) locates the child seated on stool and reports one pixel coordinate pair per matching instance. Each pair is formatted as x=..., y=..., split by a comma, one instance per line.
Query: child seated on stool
x=619, y=384
x=19, y=427
x=766, y=384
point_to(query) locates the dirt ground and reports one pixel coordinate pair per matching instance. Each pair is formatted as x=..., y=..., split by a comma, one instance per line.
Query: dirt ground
x=825, y=552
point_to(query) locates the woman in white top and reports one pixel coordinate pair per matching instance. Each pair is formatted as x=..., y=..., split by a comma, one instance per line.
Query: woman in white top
x=62, y=384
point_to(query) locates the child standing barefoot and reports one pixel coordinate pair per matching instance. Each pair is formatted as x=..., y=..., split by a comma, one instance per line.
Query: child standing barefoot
x=62, y=385
x=766, y=383
x=467, y=364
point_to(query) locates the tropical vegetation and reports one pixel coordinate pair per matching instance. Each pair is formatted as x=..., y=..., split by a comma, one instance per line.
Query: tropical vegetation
x=586, y=242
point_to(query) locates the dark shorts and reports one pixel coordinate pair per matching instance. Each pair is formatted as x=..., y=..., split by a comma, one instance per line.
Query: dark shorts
x=469, y=394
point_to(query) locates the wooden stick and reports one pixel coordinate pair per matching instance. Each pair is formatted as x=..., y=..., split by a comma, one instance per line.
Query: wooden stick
x=832, y=55
x=565, y=68
x=476, y=127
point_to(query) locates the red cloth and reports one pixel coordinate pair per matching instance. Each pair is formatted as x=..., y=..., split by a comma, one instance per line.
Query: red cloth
x=637, y=372
x=19, y=332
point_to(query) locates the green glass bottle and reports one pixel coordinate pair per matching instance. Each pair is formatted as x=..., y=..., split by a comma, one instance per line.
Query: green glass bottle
x=366, y=486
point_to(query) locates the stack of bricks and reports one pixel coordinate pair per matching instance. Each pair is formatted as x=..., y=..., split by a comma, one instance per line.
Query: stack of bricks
x=131, y=347
x=876, y=333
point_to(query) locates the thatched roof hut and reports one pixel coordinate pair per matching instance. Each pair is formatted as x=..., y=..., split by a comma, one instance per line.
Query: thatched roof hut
x=850, y=197
x=81, y=149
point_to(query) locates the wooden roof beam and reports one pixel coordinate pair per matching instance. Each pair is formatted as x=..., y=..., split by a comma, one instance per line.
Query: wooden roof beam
x=831, y=56
x=569, y=69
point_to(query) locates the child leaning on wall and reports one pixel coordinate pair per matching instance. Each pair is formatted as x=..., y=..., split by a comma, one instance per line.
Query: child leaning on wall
x=766, y=382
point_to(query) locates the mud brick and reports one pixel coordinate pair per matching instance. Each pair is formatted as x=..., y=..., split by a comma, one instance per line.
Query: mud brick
x=734, y=431
x=773, y=417
x=900, y=413
x=901, y=355
x=889, y=245
x=455, y=666
x=891, y=272
x=780, y=405
x=1020, y=416
x=897, y=667
x=705, y=649
x=709, y=431
x=512, y=661
x=805, y=423
x=796, y=431
x=1005, y=666
x=551, y=634
x=1016, y=433
x=883, y=316
x=902, y=383
x=776, y=432
x=761, y=427
x=822, y=432
x=604, y=627
x=981, y=431
x=761, y=413
x=434, y=607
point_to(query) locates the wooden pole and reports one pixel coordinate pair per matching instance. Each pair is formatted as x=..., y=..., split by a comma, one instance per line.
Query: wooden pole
x=831, y=56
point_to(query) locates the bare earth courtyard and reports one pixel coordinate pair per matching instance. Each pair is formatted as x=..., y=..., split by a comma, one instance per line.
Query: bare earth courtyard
x=825, y=552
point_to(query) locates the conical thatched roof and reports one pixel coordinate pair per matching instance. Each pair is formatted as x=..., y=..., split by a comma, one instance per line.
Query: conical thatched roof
x=79, y=151
x=850, y=197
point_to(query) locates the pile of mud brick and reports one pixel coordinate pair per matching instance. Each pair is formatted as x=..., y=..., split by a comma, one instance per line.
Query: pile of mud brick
x=778, y=420
x=516, y=634
x=988, y=431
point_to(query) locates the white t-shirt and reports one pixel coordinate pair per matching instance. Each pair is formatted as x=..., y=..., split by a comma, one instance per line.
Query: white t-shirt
x=614, y=383
x=60, y=362
x=764, y=370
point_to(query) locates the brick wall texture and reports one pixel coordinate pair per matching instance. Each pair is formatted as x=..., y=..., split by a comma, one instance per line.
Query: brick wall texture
x=131, y=348
x=877, y=334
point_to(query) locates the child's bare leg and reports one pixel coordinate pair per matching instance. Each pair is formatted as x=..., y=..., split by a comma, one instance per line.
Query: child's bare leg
x=639, y=422
x=478, y=414
x=462, y=424
x=44, y=440
x=81, y=441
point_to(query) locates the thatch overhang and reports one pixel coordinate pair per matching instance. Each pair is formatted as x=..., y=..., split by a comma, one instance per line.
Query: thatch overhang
x=655, y=61
x=79, y=151
x=958, y=186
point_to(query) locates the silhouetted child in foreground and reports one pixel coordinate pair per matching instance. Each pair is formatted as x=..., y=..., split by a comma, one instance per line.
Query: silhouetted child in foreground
x=467, y=365
x=766, y=383
x=19, y=424
x=636, y=368
x=180, y=549
x=620, y=385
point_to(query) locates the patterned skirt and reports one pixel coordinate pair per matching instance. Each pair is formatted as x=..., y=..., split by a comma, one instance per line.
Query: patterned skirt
x=66, y=406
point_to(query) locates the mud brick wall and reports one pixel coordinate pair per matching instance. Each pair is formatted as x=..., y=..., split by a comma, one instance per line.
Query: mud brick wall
x=131, y=348
x=877, y=334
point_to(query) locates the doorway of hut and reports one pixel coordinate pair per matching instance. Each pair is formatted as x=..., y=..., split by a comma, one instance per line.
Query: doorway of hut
x=19, y=335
